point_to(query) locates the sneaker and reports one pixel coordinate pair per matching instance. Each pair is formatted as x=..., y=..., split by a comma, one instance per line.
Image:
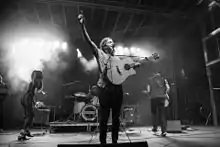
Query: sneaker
x=164, y=134
x=28, y=133
x=22, y=137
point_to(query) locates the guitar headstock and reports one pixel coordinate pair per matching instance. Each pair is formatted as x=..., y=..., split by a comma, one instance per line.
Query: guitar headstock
x=155, y=56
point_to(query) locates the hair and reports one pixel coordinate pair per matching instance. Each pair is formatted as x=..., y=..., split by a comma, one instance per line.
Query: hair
x=36, y=74
x=37, y=78
x=103, y=42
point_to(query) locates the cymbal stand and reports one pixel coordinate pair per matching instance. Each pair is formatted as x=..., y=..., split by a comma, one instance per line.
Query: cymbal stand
x=72, y=115
x=97, y=127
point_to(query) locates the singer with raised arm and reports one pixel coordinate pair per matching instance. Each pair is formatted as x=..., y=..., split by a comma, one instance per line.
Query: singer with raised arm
x=113, y=71
x=28, y=102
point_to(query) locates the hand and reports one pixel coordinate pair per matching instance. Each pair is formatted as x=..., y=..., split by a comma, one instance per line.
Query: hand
x=145, y=91
x=137, y=65
x=166, y=104
x=81, y=18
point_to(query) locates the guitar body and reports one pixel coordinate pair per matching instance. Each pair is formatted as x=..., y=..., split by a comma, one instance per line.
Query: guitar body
x=117, y=73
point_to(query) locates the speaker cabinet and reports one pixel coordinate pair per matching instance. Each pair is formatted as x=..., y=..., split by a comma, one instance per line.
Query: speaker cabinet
x=41, y=117
x=174, y=126
x=134, y=144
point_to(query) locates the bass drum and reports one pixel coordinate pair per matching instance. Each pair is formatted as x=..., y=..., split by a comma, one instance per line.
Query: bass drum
x=89, y=113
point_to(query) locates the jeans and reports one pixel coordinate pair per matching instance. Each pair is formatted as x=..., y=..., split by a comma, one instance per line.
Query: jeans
x=111, y=97
x=27, y=104
x=158, y=113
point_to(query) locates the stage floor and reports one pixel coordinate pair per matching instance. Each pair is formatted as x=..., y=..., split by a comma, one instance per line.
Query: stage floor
x=196, y=137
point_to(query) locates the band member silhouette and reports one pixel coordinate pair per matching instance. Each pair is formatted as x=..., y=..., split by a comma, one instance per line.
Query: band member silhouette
x=28, y=102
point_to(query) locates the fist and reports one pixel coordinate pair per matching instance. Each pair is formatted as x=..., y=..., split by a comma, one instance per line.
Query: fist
x=81, y=18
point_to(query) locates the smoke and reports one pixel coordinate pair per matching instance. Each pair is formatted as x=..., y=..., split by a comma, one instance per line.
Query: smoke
x=88, y=65
x=26, y=47
x=132, y=51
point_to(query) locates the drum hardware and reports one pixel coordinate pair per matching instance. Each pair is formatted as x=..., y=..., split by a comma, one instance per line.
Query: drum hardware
x=80, y=100
x=76, y=97
x=89, y=112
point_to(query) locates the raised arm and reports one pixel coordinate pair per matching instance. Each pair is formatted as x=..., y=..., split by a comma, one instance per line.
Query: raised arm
x=86, y=35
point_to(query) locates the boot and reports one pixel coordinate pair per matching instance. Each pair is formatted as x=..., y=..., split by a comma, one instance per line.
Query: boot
x=22, y=136
x=28, y=133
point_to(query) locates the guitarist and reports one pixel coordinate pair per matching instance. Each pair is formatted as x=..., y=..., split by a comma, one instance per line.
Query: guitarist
x=158, y=89
x=28, y=102
x=110, y=95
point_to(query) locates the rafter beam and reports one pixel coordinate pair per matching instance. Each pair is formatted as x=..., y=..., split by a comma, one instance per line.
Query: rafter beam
x=92, y=13
x=213, y=62
x=105, y=17
x=129, y=22
x=140, y=24
x=119, y=6
x=168, y=4
x=116, y=22
x=36, y=13
x=64, y=15
x=50, y=13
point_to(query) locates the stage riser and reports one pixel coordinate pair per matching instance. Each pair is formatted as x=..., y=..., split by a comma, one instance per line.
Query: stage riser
x=72, y=129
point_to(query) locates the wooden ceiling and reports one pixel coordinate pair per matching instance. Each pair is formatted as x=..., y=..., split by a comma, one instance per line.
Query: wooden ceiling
x=106, y=16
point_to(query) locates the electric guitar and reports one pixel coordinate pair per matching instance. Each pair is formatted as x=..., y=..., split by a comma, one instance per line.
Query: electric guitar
x=120, y=70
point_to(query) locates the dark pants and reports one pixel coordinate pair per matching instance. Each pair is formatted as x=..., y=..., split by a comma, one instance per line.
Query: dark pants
x=158, y=113
x=111, y=97
x=1, y=112
x=27, y=103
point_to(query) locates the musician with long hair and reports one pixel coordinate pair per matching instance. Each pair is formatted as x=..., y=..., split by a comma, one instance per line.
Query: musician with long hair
x=110, y=95
x=28, y=102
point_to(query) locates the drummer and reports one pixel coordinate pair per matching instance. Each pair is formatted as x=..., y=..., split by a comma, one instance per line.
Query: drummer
x=93, y=95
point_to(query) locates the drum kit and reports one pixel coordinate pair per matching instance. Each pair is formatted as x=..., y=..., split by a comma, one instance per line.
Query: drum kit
x=85, y=107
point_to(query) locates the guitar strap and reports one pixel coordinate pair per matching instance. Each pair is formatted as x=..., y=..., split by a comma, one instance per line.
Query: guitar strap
x=104, y=72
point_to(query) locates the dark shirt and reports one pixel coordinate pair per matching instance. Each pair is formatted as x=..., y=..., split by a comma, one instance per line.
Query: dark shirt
x=157, y=87
x=30, y=93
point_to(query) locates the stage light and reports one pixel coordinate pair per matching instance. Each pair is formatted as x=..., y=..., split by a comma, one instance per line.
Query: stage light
x=79, y=54
x=64, y=46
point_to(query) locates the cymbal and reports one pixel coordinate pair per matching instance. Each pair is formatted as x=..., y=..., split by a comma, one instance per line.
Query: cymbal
x=80, y=94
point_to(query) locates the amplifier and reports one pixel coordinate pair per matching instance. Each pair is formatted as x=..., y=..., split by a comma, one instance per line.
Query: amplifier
x=41, y=116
